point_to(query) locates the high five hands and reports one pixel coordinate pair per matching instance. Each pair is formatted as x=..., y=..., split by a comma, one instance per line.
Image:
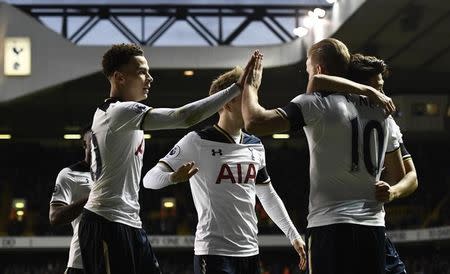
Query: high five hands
x=251, y=78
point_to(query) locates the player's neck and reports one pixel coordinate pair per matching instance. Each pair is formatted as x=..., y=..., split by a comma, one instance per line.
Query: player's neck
x=230, y=126
x=121, y=95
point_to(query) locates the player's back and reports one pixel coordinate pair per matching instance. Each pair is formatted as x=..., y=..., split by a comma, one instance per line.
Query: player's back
x=347, y=142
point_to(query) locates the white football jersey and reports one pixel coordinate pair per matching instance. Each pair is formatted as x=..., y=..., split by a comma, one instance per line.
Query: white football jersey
x=347, y=138
x=72, y=184
x=223, y=189
x=117, y=151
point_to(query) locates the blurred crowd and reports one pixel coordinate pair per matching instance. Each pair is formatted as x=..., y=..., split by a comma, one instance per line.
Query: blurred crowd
x=29, y=171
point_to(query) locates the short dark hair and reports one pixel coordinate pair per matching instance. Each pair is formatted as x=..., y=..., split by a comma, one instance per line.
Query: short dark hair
x=332, y=55
x=225, y=80
x=119, y=55
x=362, y=68
x=85, y=130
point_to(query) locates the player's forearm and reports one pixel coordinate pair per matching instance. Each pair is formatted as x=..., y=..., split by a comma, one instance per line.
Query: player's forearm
x=190, y=114
x=322, y=82
x=406, y=186
x=158, y=177
x=256, y=118
x=65, y=214
x=276, y=210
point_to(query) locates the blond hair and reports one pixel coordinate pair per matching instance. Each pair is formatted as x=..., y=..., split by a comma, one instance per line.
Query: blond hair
x=225, y=80
x=332, y=55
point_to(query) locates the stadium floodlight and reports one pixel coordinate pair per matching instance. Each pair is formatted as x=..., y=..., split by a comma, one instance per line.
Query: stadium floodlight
x=72, y=136
x=20, y=213
x=188, y=73
x=5, y=136
x=320, y=13
x=19, y=204
x=300, y=31
x=168, y=202
x=280, y=136
x=147, y=136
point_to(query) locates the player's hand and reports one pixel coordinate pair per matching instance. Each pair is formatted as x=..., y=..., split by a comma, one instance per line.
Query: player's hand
x=255, y=76
x=383, y=192
x=184, y=173
x=299, y=246
x=248, y=68
x=385, y=102
x=252, y=73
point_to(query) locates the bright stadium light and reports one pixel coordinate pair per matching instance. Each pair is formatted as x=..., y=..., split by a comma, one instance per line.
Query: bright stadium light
x=19, y=213
x=72, y=136
x=188, y=73
x=320, y=13
x=168, y=202
x=5, y=136
x=300, y=31
x=280, y=136
x=147, y=136
x=19, y=205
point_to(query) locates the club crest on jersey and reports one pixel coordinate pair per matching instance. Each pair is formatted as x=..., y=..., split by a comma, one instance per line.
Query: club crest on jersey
x=139, y=108
x=251, y=151
x=174, y=152
x=226, y=174
x=216, y=152
x=57, y=190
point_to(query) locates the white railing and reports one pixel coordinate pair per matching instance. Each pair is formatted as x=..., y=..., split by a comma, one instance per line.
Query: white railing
x=56, y=242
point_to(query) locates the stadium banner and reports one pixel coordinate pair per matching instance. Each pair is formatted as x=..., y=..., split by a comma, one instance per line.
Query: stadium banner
x=161, y=242
x=419, y=235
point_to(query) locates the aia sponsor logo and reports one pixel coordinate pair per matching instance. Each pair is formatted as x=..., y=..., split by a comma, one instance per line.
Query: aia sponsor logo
x=226, y=174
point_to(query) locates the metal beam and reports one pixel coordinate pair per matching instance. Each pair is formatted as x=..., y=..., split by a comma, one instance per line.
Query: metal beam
x=188, y=12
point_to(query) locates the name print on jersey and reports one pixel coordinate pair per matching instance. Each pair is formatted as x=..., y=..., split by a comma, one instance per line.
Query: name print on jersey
x=226, y=174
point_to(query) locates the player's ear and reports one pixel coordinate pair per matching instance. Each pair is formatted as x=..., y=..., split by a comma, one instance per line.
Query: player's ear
x=319, y=69
x=118, y=77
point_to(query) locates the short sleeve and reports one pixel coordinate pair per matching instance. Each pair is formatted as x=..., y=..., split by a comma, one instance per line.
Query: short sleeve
x=128, y=115
x=63, y=188
x=405, y=153
x=304, y=110
x=394, y=135
x=183, y=151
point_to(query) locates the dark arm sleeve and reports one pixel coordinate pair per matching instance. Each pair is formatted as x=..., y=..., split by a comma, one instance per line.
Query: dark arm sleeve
x=293, y=113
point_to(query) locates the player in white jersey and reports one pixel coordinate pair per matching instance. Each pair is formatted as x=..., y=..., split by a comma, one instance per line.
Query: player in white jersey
x=348, y=137
x=111, y=236
x=71, y=192
x=370, y=70
x=232, y=172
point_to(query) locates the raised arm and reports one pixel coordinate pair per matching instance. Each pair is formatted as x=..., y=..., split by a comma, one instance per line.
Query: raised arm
x=276, y=210
x=328, y=83
x=257, y=119
x=195, y=112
